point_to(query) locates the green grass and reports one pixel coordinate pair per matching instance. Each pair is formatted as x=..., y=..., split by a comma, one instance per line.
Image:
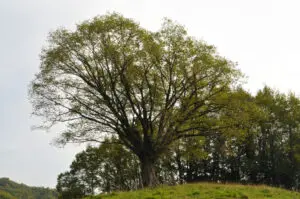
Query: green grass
x=204, y=190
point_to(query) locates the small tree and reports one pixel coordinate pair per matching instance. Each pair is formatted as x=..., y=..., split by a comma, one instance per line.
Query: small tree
x=106, y=168
x=69, y=186
x=112, y=77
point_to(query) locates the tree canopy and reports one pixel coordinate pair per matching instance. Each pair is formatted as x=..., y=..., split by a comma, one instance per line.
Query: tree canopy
x=110, y=76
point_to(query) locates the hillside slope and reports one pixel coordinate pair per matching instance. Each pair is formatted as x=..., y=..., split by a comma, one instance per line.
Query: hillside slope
x=5, y=195
x=205, y=191
x=12, y=190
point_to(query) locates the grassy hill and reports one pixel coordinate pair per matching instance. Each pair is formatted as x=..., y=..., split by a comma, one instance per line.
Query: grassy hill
x=12, y=190
x=5, y=195
x=205, y=190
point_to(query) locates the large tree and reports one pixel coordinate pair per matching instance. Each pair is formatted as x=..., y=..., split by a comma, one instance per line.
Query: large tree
x=110, y=76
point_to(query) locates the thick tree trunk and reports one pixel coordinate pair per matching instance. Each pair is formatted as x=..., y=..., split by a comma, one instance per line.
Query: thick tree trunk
x=148, y=174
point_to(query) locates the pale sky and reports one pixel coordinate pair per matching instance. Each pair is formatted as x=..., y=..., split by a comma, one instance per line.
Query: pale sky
x=263, y=36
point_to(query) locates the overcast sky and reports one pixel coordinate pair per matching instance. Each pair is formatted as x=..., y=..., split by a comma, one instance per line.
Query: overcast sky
x=263, y=36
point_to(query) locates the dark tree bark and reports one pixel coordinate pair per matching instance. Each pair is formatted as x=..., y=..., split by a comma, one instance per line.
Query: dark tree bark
x=148, y=173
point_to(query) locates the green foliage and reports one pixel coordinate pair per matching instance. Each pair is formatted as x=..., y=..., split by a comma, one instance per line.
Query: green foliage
x=204, y=191
x=106, y=168
x=110, y=76
x=171, y=100
x=262, y=147
x=12, y=190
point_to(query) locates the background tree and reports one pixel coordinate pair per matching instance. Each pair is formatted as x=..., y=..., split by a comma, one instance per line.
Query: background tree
x=111, y=76
x=217, y=157
x=106, y=168
x=263, y=149
x=69, y=186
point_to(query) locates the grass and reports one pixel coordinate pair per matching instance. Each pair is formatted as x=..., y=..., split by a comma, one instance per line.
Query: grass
x=204, y=190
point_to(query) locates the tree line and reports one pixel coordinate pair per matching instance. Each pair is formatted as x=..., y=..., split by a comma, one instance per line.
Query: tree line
x=263, y=149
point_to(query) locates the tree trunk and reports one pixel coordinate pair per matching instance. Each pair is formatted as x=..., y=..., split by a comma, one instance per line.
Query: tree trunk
x=148, y=174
